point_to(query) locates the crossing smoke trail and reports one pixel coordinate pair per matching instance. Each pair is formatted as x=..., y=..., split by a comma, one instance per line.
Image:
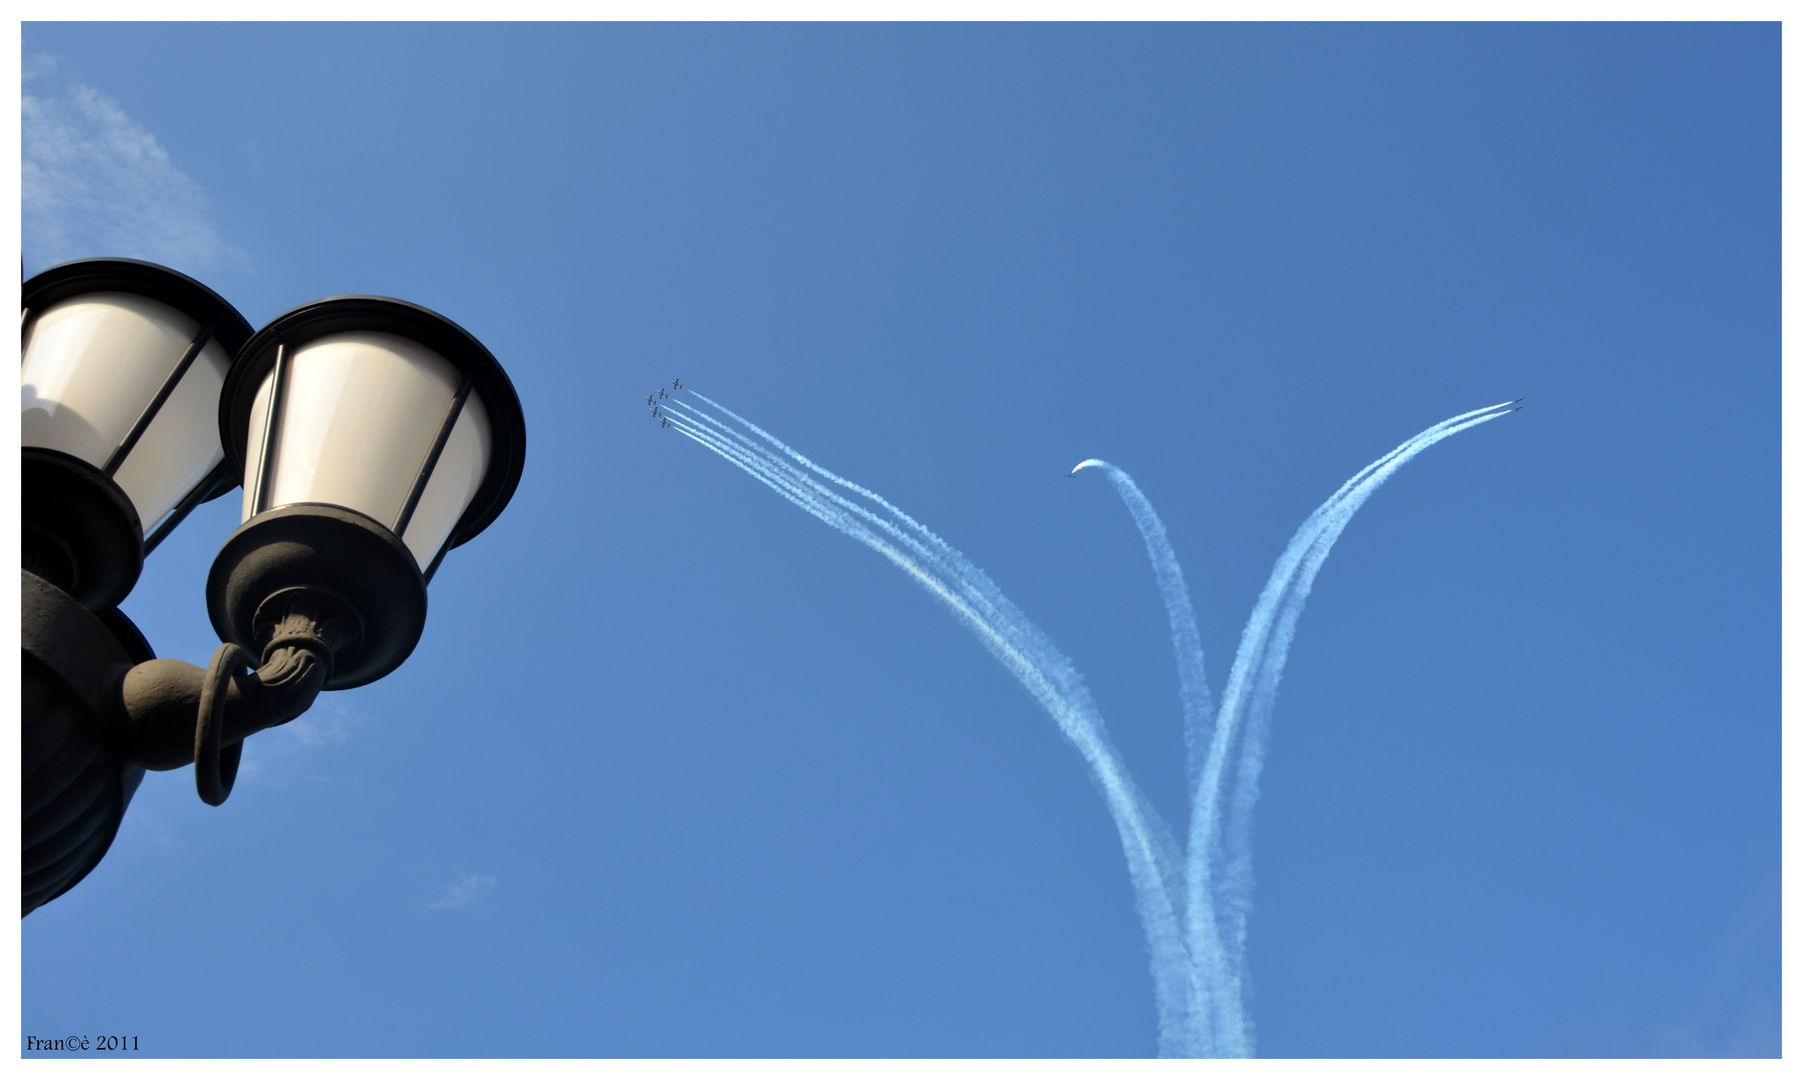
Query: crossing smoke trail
x=1192, y=688
x=1220, y=866
x=1223, y=831
x=1154, y=864
x=1186, y=642
x=1194, y=907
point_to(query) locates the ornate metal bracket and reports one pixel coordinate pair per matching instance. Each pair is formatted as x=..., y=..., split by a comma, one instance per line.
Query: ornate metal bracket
x=179, y=713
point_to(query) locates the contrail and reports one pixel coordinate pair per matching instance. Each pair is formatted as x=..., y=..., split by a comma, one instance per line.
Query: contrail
x=1205, y=946
x=1154, y=864
x=1193, y=905
x=1220, y=867
x=1247, y=702
x=1186, y=642
x=975, y=587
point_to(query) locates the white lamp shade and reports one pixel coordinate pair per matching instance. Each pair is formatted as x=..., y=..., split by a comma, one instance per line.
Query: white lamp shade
x=93, y=363
x=358, y=414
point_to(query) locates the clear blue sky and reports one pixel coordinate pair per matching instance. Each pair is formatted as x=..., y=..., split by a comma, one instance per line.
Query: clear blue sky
x=676, y=770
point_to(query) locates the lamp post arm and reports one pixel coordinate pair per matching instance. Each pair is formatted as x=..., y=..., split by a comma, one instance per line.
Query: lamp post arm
x=162, y=702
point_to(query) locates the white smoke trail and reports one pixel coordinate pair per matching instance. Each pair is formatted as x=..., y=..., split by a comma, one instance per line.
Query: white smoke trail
x=1221, y=901
x=971, y=583
x=1186, y=641
x=909, y=537
x=1194, y=909
x=1024, y=650
x=1205, y=946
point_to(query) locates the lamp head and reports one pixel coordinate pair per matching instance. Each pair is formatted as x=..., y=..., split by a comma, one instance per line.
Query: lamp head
x=122, y=366
x=374, y=435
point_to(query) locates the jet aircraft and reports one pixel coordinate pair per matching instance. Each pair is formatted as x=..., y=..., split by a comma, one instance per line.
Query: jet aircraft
x=676, y=384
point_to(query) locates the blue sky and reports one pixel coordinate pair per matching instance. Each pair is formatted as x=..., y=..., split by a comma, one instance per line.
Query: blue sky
x=678, y=771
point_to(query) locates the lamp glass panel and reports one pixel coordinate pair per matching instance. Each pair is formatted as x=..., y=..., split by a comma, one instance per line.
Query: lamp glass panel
x=359, y=414
x=91, y=365
x=461, y=466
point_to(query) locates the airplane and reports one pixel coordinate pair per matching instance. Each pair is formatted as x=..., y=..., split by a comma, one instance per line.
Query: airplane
x=660, y=392
x=654, y=411
x=676, y=384
x=663, y=421
x=649, y=400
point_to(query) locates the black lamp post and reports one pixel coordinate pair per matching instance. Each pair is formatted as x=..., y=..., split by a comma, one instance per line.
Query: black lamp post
x=371, y=437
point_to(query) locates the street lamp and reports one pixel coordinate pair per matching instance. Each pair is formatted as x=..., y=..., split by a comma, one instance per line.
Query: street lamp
x=371, y=436
x=122, y=366
x=374, y=436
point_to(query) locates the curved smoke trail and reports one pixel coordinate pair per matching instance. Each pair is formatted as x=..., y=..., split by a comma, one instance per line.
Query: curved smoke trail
x=1264, y=649
x=1023, y=649
x=1193, y=905
x=1205, y=946
x=1186, y=640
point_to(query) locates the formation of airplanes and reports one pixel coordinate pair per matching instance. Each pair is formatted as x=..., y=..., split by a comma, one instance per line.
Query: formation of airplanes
x=652, y=400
